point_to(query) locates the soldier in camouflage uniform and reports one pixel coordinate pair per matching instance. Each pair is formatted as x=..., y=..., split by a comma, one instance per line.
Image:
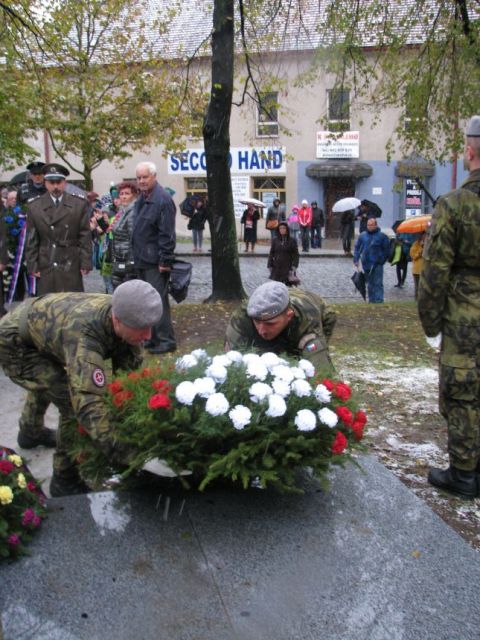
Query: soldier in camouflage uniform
x=55, y=347
x=297, y=323
x=449, y=303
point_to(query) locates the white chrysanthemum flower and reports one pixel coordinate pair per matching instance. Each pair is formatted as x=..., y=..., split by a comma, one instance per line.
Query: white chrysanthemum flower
x=259, y=391
x=204, y=387
x=328, y=417
x=281, y=387
x=240, y=416
x=298, y=373
x=186, y=362
x=257, y=370
x=200, y=354
x=221, y=361
x=250, y=357
x=307, y=366
x=283, y=372
x=305, y=420
x=322, y=394
x=185, y=392
x=270, y=359
x=276, y=406
x=217, y=404
x=217, y=372
x=234, y=356
x=301, y=388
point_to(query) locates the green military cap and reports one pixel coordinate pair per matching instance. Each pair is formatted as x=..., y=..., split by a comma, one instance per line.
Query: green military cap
x=473, y=127
x=54, y=171
x=137, y=304
x=268, y=300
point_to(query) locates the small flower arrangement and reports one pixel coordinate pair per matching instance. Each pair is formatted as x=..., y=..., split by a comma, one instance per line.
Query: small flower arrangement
x=15, y=220
x=22, y=504
x=248, y=418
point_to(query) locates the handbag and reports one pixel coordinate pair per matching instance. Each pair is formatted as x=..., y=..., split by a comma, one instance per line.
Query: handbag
x=272, y=224
x=292, y=277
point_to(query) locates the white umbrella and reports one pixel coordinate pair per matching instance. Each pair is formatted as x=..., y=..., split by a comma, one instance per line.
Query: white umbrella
x=345, y=204
x=254, y=201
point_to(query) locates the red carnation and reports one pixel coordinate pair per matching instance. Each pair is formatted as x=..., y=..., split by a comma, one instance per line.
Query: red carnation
x=159, y=401
x=147, y=372
x=345, y=415
x=133, y=375
x=361, y=417
x=162, y=385
x=6, y=467
x=32, y=486
x=339, y=443
x=329, y=384
x=357, y=428
x=121, y=397
x=114, y=387
x=342, y=391
x=81, y=430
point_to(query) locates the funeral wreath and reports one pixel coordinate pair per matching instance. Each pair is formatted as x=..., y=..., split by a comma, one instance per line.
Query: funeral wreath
x=242, y=418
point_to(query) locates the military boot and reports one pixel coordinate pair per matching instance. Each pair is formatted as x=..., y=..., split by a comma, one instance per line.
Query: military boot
x=462, y=483
x=46, y=437
x=67, y=485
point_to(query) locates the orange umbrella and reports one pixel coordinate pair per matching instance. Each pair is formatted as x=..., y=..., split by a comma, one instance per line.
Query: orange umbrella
x=415, y=224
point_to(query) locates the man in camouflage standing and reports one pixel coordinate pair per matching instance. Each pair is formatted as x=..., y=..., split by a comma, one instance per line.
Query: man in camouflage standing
x=296, y=323
x=55, y=347
x=449, y=304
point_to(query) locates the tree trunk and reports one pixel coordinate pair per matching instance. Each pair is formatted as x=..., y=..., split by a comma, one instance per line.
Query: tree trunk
x=226, y=280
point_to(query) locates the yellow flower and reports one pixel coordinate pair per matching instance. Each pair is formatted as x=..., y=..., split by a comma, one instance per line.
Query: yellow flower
x=22, y=483
x=6, y=495
x=17, y=461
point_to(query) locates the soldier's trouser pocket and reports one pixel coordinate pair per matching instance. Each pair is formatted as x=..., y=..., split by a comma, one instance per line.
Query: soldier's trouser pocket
x=459, y=405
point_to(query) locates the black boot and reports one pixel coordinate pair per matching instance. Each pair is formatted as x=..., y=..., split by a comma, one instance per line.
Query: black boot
x=462, y=483
x=67, y=485
x=46, y=437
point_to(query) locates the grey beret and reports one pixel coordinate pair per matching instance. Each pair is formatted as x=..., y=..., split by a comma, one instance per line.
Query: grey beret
x=268, y=301
x=473, y=127
x=137, y=304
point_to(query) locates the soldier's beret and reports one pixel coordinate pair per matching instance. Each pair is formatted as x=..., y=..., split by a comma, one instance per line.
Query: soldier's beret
x=473, y=127
x=137, y=304
x=35, y=167
x=55, y=171
x=268, y=300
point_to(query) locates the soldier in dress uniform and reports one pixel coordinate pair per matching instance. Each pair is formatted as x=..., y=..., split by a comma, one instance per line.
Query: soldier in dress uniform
x=297, y=323
x=34, y=186
x=59, y=242
x=449, y=304
x=56, y=346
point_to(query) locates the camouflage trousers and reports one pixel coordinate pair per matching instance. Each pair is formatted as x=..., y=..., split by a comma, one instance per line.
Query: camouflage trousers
x=45, y=382
x=459, y=394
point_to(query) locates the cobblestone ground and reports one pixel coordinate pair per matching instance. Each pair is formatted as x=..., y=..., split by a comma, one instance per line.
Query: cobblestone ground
x=328, y=276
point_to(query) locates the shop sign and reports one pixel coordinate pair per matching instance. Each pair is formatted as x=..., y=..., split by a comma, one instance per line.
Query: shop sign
x=338, y=145
x=246, y=160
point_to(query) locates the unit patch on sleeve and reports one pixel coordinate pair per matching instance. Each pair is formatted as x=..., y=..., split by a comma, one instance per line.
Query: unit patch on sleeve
x=98, y=377
x=312, y=346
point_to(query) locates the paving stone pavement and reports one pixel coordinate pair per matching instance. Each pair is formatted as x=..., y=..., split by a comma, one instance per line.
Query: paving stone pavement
x=326, y=272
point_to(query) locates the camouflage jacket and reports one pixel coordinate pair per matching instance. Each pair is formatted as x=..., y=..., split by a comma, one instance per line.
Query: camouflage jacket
x=76, y=330
x=306, y=335
x=449, y=291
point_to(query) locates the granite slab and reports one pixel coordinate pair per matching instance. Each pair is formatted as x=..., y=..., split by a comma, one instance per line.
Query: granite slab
x=366, y=560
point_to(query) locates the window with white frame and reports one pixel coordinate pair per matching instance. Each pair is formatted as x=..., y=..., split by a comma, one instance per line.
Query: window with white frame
x=338, y=109
x=267, y=115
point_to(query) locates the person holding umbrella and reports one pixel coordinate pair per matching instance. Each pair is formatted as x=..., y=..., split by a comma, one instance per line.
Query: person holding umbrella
x=249, y=220
x=372, y=248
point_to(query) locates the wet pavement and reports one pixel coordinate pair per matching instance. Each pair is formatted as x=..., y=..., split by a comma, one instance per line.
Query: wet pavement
x=324, y=271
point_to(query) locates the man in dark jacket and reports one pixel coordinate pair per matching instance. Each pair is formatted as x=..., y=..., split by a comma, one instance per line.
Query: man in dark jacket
x=372, y=248
x=318, y=222
x=153, y=243
x=35, y=185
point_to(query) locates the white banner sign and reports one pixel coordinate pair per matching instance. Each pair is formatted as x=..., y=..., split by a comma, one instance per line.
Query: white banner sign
x=247, y=160
x=240, y=191
x=338, y=145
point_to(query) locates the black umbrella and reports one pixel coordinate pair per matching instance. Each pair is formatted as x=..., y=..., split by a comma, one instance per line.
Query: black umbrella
x=373, y=208
x=20, y=178
x=358, y=280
